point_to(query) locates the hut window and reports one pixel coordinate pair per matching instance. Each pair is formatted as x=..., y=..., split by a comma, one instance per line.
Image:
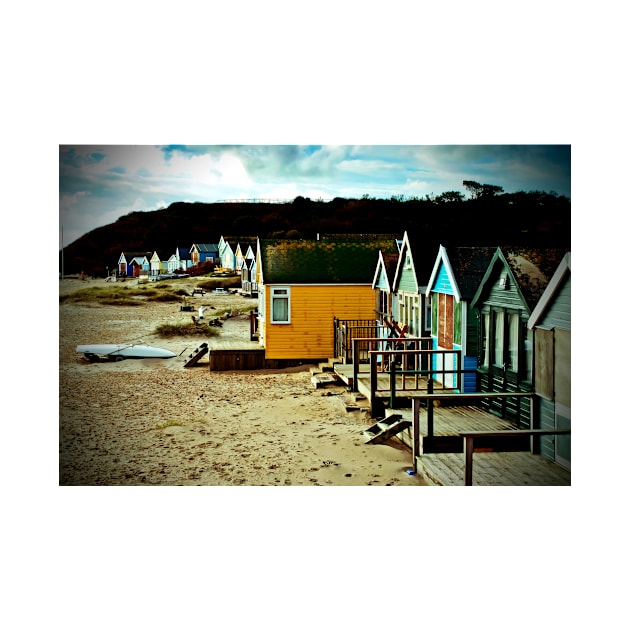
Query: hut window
x=485, y=328
x=513, y=340
x=457, y=323
x=280, y=305
x=497, y=359
x=383, y=302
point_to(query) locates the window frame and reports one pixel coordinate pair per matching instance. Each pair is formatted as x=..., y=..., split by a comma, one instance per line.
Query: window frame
x=275, y=294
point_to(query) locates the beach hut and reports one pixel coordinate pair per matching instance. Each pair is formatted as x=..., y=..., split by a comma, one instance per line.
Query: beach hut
x=386, y=304
x=409, y=286
x=551, y=323
x=227, y=259
x=304, y=285
x=456, y=275
x=140, y=266
x=182, y=256
x=126, y=265
x=157, y=265
x=245, y=251
x=508, y=293
x=200, y=252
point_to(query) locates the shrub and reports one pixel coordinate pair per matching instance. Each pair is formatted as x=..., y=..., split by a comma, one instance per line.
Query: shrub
x=186, y=329
x=227, y=282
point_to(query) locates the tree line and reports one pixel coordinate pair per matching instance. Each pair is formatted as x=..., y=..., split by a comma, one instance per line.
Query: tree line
x=487, y=216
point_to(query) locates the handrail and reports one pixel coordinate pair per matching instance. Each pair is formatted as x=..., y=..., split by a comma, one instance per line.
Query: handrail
x=418, y=352
x=371, y=341
x=345, y=330
x=431, y=396
x=469, y=446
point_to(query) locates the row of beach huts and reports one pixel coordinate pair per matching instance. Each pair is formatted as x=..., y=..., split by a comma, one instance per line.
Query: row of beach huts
x=473, y=319
x=228, y=254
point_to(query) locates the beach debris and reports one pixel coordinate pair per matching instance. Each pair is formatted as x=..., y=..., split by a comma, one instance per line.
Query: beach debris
x=329, y=463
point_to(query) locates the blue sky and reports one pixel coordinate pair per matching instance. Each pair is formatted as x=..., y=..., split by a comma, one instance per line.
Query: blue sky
x=100, y=183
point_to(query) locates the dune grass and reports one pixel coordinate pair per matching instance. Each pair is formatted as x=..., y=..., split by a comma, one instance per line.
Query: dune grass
x=209, y=283
x=186, y=329
x=116, y=295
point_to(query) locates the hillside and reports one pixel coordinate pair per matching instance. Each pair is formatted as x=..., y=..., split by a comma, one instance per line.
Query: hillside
x=532, y=218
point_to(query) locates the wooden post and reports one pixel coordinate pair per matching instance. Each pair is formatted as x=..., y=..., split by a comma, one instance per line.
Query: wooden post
x=430, y=408
x=373, y=377
x=415, y=403
x=468, y=457
x=355, y=365
x=392, y=383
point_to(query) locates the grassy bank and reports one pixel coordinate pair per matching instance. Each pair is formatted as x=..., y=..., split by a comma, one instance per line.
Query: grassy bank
x=117, y=295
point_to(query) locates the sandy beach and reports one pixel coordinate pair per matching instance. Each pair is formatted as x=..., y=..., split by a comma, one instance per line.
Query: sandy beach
x=152, y=422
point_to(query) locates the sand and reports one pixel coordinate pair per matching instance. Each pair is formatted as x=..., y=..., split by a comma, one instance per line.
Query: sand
x=142, y=422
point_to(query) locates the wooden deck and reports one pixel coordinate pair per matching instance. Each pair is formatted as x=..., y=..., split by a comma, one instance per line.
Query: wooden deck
x=452, y=415
x=448, y=423
x=439, y=450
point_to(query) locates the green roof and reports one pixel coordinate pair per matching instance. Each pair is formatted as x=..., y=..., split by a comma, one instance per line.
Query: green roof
x=286, y=261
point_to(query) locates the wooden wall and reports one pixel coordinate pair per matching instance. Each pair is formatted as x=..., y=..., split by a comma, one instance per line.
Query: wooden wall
x=310, y=334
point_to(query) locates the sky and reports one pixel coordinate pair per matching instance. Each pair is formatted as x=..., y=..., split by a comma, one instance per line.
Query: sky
x=100, y=183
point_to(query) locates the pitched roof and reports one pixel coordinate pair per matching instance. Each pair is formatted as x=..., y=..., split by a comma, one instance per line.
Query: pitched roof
x=131, y=255
x=206, y=248
x=563, y=270
x=248, y=241
x=468, y=264
x=389, y=263
x=386, y=265
x=422, y=259
x=322, y=262
x=183, y=253
x=531, y=268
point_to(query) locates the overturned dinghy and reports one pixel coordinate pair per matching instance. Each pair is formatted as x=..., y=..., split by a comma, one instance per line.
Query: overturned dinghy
x=118, y=352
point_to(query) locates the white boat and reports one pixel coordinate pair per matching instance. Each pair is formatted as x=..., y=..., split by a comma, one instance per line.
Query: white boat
x=119, y=351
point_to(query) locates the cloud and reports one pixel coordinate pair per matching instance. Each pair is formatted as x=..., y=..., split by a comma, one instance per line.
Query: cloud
x=100, y=183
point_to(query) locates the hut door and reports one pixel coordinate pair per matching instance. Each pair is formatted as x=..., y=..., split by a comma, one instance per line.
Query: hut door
x=562, y=382
x=497, y=359
x=445, y=361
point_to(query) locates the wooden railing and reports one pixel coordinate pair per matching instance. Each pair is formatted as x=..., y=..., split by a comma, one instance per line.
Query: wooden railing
x=249, y=287
x=505, y=440
x=404, y=363
x=375, y=348
x=500, y=437
x=345, y=330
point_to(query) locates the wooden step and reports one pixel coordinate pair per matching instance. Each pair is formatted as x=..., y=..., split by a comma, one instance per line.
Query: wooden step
x=322, y=379
x=197, y=354
x=385, y=428
x=325, y=367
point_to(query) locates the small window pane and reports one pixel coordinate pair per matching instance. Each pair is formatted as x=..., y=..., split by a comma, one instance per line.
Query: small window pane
x=280, y=309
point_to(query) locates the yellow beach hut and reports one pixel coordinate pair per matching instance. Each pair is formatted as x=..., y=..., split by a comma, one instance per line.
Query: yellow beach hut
x=305, y=284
